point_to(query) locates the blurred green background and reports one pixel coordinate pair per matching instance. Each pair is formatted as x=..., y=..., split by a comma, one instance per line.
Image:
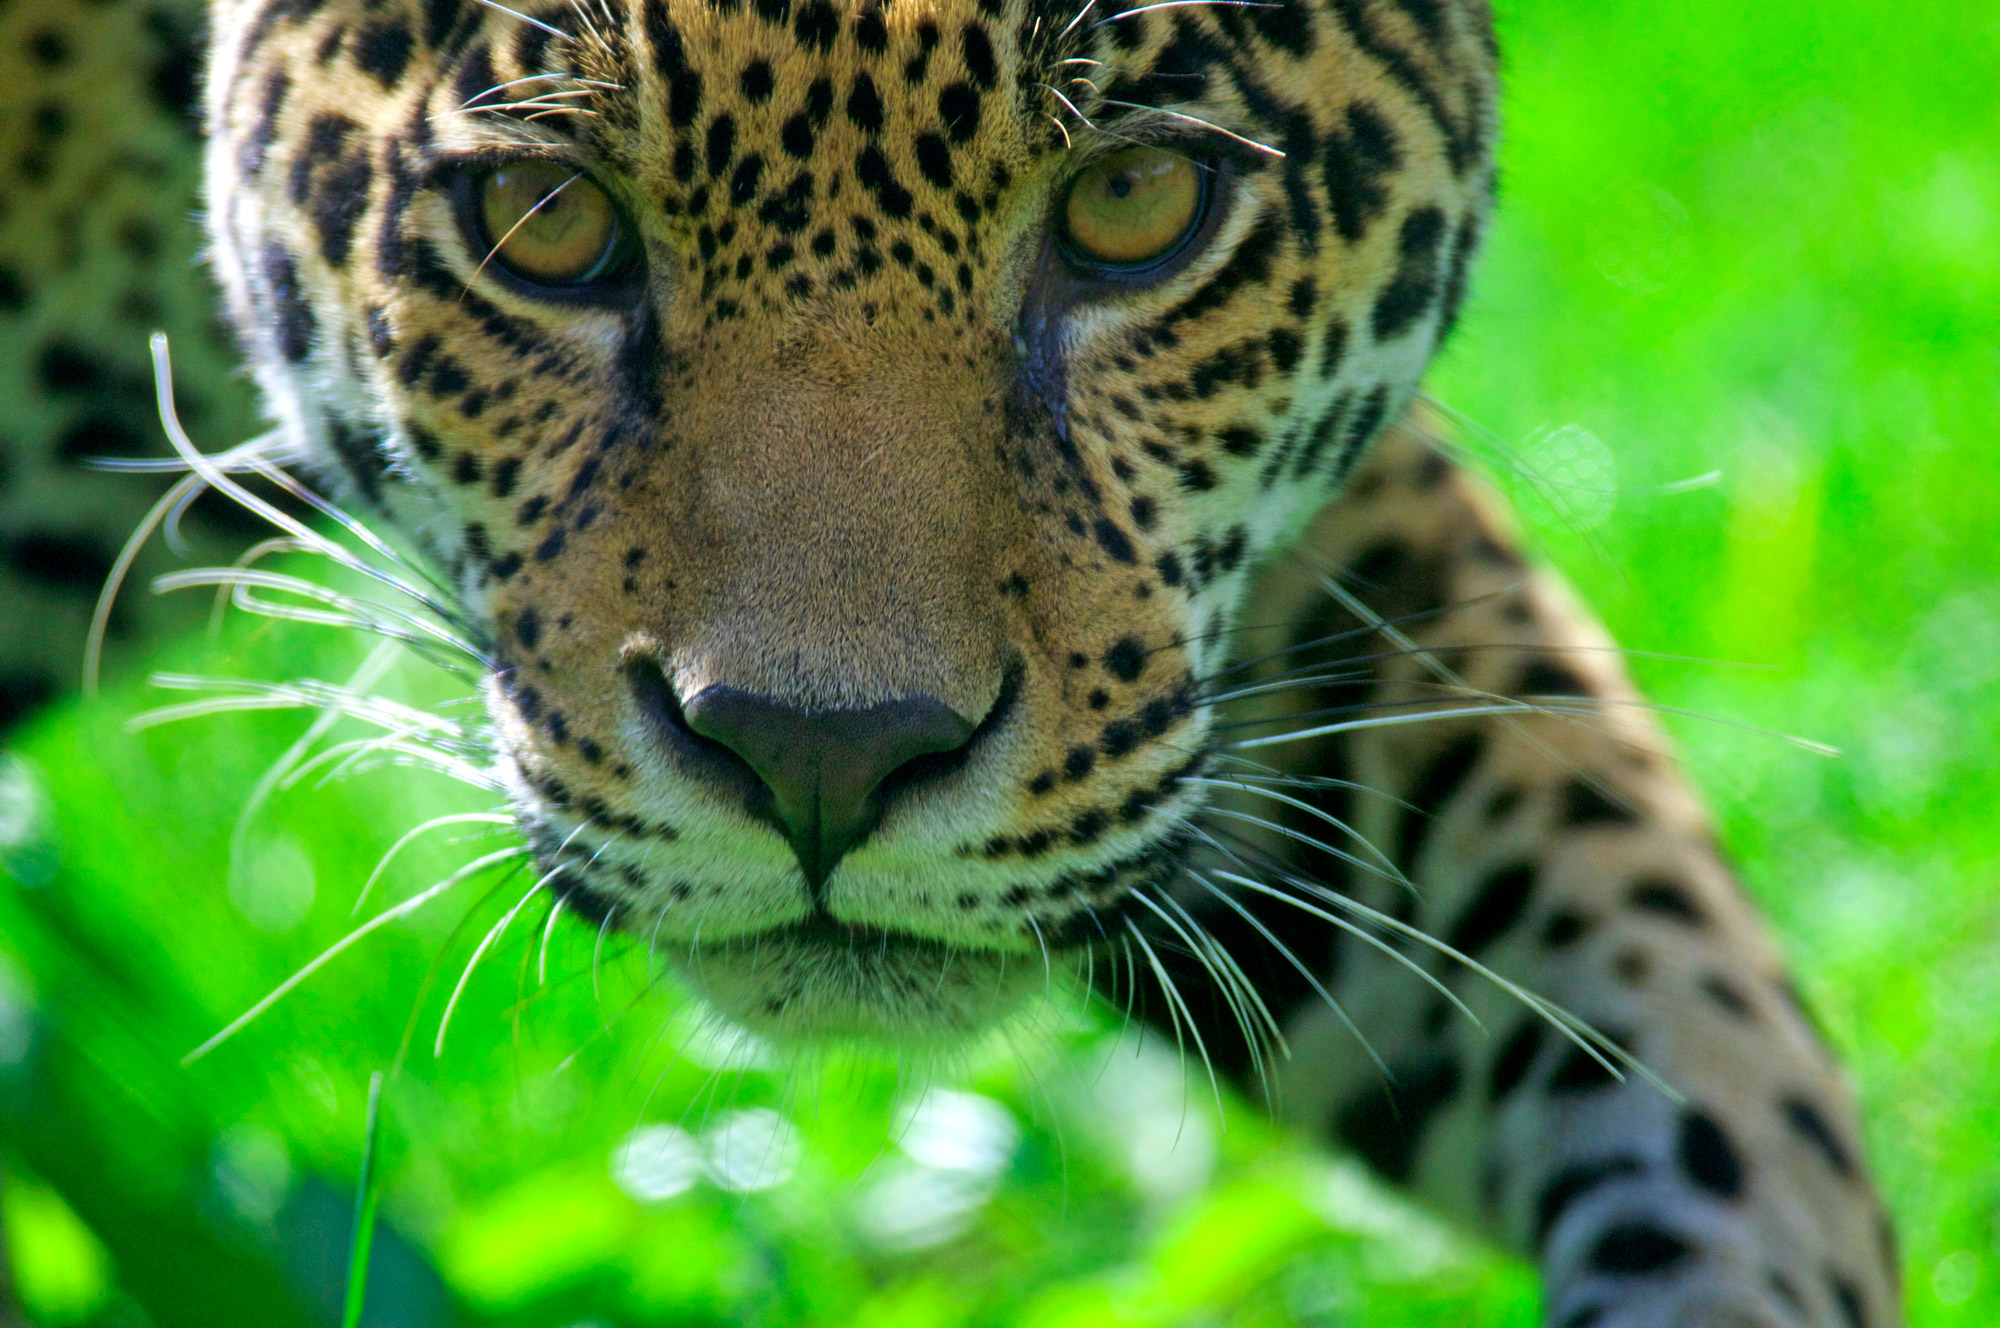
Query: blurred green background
x=1736, y=352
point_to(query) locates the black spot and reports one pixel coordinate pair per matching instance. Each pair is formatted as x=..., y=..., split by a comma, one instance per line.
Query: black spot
x=1811, y=1126
x=1666, y=898
x=48, y=48
x=1412, y=291
x=1848, y=1298
x=864, y=105
x=797, y=137
x=1287, y=26
x=1240, y=442
x=383, y=49
x=1304, y=297
x=50, y=120
x=1544, y=677
x=934, y=160
x=1126, y=660
x=528, y=629
x=1396, y=581
x=1436, y=784
x=1354, y=169
x=1637, y=1248
x=1584, y=1316
x=338, y=204
x=1286, y=348
x=101, y=434
x=1571, y=1184
x=1386, y=1126
x=1707, y=1156
x=816, y=25
x=1564, y=928
x=1516, y=1056
x=13, y=290
x=23, y=693
x=63, y=367
x=871, y=34
x=250, y=159
x=292, y=316
x=1503, y=896
x=958, y=107
x=743, y=184
x=504, y=475
x=1118, y=738
x=326, y=135
x=721, y=145
x=359, y=457
x=1115, y=543
x=1726, y=995
x=62, y=562
x=979, y=60
x=1584, y=804
x=1580, y=1071
x=1079, y=762
x=1786, y=1290
x=871, y=168
x=448, y=377
x=174, y=80
x=756, y=82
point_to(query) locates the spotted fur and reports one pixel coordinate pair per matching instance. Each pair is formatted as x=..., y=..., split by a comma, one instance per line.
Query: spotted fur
x=99, y=177
x=861, y=433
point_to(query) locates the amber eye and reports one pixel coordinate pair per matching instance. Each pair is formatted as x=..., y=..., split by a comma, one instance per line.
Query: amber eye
x=548, y=224
x=1133, y=208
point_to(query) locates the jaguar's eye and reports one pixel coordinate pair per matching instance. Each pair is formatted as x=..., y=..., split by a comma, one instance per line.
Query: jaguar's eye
x=549, y=224
x=1133, y=208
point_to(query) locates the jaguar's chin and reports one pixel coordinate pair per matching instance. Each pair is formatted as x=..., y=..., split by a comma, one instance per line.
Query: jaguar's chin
x=822, y=981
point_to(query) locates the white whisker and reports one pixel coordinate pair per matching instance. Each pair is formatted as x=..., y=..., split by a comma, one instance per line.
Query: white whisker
x=548, y=930
x=1387, y=868
x=1195, y=119
x=531, y=22
x=493, y=934
x=415, y=833
x=371, y=672
x=1312, y=979
x=1179, y=1009
x=347, y=942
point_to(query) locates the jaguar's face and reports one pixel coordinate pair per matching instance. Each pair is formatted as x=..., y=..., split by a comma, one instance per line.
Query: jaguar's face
x=851, y=426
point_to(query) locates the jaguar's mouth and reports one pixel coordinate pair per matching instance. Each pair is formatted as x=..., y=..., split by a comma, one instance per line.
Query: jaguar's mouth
x=821, y=979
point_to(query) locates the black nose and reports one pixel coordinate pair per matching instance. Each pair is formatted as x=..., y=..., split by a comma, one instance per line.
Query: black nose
x=825, y=768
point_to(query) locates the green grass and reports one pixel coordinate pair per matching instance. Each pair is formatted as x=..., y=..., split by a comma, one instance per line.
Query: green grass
x=1761, y=241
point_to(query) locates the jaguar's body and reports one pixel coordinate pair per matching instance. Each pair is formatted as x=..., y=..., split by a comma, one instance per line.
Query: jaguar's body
x=878, y=584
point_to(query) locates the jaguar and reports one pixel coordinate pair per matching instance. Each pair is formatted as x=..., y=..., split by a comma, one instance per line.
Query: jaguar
x=936, y=491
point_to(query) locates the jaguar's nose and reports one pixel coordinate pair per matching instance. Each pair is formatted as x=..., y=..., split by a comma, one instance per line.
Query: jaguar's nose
x=825, y=769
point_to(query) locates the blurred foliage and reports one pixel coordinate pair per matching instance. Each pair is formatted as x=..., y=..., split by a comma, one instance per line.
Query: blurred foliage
x=1735, y=351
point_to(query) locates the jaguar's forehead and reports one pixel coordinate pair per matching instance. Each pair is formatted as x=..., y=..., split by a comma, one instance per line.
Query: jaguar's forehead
x=704, y=83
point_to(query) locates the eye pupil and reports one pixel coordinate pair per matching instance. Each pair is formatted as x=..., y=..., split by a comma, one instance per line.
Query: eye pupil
x=1133, y=208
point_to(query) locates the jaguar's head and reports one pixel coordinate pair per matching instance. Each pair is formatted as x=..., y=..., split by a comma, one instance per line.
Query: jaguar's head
x=850, y=427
